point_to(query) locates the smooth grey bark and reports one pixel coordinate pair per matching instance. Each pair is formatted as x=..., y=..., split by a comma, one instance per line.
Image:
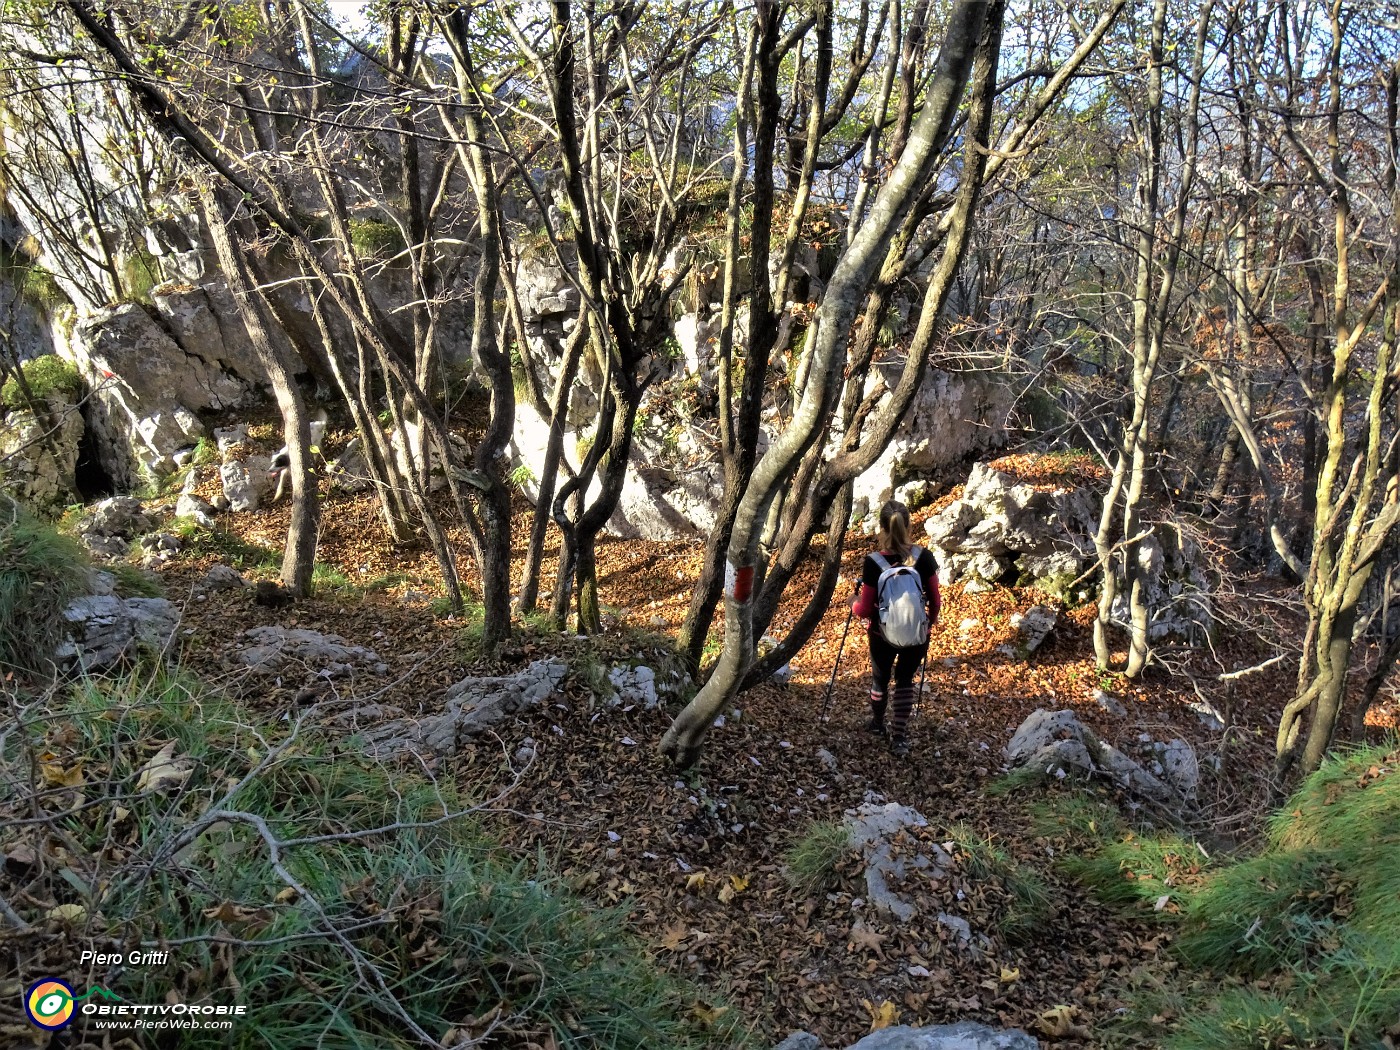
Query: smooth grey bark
x=833, y=323
x=821, y=488
x=299, y=556
x=739, y=434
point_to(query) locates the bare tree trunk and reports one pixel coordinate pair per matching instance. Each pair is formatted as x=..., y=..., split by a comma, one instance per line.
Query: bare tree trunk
x=549, y=470
x=1357, y=506
x=1151, y=311
x=828, y=339
x=739, y=436
x=299, y=558
x=493, y=493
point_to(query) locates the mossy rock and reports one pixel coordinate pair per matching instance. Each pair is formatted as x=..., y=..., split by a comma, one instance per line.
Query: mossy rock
x=47, y=376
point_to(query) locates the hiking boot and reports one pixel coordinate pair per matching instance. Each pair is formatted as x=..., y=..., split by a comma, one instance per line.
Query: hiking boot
x=899, y=747
x=875, y=726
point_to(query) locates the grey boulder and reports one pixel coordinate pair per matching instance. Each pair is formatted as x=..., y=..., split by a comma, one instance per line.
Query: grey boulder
x=1032, y=628
x=284, y=650
x=873, y=828
x=1057, y=744
x=965, y=1035
x=191, y=506
x=471, y=707
x=103, y=629
x=222, y=578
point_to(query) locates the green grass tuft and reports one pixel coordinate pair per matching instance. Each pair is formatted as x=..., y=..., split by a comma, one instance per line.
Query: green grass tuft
x=386, y=581
x=1349, y=999
x=1264, y=912
x=1025, y=899
x=592, y=672
x=328, y=580
x=1017, y=780
x=41, y=571
x=1076, y=816
x=1334, y=861
x=1136, y=872
x=1304, y=937
x=540, y=623
x=133, y=582
x=811, y=863
x=235, y=551
x=391, y=900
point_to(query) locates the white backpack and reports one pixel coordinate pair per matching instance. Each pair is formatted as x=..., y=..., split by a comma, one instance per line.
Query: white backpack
x=903, y=611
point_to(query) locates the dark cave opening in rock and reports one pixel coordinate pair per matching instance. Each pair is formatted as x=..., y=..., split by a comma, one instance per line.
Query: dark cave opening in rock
x=1011, y=576
x=90, y=477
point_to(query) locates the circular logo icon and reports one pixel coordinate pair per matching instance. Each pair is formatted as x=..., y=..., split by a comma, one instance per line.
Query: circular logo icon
x=49, y=1003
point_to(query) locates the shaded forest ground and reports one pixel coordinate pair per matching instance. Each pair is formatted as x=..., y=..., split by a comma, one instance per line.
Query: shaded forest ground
x=698, y=858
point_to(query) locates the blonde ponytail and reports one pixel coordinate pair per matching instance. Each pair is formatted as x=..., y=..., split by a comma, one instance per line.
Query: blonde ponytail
x=894, y=529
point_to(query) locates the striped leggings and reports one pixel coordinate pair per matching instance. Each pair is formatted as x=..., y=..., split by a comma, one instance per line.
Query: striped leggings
x=887, y=661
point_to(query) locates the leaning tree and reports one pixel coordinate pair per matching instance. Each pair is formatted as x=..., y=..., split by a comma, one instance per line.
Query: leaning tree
x=937, y=167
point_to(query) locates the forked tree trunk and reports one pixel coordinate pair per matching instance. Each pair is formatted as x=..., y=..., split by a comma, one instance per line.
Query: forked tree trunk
x=739, y=432
x=1152, y=299
x=831, y=331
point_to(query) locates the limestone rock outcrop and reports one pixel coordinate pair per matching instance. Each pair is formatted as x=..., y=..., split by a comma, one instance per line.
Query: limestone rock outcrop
x=470, y=708
x=103, y=629
x=109, y=526
x=1005, y=530
x=965, y=1035
x=38, y=456
x=297, y=651
x=148, y=389
x=954, y=415
x=1057, y=744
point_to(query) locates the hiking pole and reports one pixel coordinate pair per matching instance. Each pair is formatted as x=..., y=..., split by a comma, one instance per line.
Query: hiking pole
x=831, y=685
x=923, y=670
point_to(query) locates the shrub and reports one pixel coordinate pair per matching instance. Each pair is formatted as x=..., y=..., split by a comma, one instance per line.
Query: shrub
x=45, y=376
x=34, y=284
x=372, y=237
x=521, y=476
x=41, y=571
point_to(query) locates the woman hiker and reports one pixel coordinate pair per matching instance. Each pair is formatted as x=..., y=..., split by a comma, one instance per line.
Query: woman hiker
x=898, y=606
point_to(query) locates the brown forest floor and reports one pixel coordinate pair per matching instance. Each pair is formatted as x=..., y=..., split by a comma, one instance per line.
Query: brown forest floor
x=623, y=826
